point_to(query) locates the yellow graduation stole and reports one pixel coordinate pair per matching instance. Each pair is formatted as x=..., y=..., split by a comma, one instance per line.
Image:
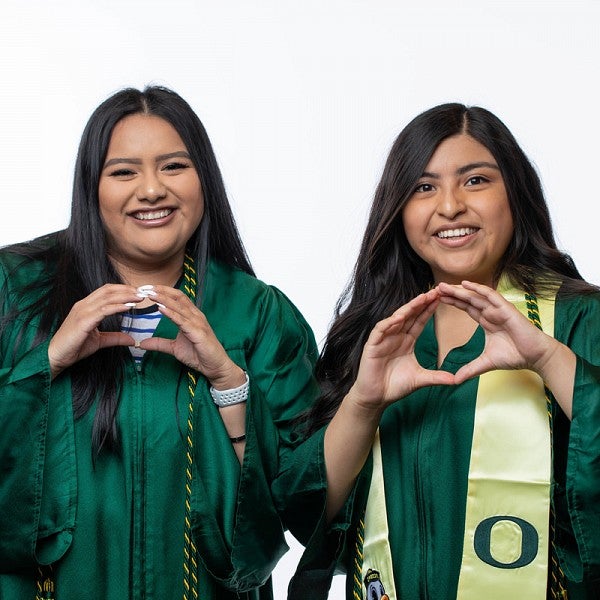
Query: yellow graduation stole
x=376, y=569
x=506, y=536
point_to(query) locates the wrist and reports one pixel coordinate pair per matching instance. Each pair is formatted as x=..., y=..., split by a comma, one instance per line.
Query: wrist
x=364, y=409
x=55, y=368
x=231, y=396
x=556, y=355
x=232, y=378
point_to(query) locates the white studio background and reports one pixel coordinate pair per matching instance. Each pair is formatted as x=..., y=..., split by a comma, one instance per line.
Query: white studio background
x=302, y=101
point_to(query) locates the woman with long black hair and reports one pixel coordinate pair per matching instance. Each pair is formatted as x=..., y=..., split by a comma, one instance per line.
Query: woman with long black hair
x=455, y=449
x=147, y=378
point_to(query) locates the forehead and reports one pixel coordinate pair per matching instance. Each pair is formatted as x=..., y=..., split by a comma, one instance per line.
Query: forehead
x=457, y=151
x=141, y=134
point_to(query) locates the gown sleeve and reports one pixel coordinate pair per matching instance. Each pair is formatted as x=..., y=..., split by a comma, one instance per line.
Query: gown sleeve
x=301, y=492
x=279, y=360
x=577, y=445
x=37, y=466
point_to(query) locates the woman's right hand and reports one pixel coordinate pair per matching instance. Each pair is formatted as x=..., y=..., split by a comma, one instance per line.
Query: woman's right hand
x=78, y=337
x=388, y=371
x=388, y=368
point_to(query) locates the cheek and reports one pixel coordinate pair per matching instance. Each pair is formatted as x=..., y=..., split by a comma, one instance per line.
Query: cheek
x=109, y=218
x=107, y=202
x=198, y=207
x=506, y=227
x=414, y=226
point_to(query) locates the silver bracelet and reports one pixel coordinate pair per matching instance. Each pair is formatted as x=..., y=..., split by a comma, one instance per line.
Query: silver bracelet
x=236, y=395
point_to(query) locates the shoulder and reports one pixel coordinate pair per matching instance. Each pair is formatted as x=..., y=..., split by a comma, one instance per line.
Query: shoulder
x=221, y=277
x=22, y=264
x=577, y=320
x=573, y=303
x=245, y=302
x=230, y=286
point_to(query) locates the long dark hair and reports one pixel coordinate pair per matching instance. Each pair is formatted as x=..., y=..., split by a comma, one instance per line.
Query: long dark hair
x=388, y=273
x=78, y=264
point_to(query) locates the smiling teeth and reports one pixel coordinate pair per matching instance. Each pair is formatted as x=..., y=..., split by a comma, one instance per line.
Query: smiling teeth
x=451, y=233
x=149, y=216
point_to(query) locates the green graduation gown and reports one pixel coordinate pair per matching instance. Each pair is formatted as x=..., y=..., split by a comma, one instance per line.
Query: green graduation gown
x=112, y=525
x=426, y=444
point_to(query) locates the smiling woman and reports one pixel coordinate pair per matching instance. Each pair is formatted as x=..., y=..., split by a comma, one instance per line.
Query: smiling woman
x=458, y=220
x=149, y=195
x=455, y=450
x=147, y=378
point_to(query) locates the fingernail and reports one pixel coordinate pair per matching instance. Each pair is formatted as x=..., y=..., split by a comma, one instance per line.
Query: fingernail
x=148, y=286
x=131, y=304
x=160, y=305
x=137, y=344
x=145, y=293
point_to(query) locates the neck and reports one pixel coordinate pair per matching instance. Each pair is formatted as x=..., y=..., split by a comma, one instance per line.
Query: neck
x=167, y=273
x=453, y=328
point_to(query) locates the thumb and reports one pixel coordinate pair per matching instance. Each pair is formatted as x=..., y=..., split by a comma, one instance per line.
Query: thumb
x=108, y=339
x=473, y=369
x=437, y=378
x=158, y=344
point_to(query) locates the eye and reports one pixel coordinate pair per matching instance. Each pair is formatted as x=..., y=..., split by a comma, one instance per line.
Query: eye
x=423, y=188
x=121, y=173
x=175, y=166
x=476, y=180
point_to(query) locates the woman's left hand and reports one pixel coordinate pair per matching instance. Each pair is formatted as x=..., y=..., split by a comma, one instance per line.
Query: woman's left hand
x=511, y=340
x=196, y=344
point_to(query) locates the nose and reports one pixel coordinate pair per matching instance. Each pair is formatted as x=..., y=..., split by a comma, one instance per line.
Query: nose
x=151, y=188
x=451, y=203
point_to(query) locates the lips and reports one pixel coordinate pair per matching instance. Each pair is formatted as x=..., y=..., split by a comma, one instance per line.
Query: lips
x=151, y=215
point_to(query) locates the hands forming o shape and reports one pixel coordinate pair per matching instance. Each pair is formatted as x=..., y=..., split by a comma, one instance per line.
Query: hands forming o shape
x=389, y=369
x=195, y=345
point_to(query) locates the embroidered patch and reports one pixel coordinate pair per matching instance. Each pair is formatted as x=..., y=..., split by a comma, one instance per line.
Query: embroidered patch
x=375, y=589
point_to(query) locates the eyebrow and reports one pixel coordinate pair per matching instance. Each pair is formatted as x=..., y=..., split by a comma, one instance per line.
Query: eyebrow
x=138, y=161
x=464, y=169
x=477, y=165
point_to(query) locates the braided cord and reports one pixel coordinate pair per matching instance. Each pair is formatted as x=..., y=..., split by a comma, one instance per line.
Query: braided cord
x=44, y=584
x=190, y=553
x=357, y=583
x=556, y=577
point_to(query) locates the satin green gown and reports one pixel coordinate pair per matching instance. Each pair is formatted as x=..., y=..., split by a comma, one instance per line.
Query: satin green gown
x=112, y=525
x=426, y=444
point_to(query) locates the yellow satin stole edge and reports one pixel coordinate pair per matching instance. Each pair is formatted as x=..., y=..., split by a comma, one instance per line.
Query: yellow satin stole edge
x=509, y=475
x=376, y=545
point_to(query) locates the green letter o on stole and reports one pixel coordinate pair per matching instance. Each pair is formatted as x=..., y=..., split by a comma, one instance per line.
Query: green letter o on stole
x=482, y=542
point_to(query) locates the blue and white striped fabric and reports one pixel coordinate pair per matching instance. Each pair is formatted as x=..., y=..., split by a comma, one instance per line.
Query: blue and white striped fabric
x=140, y=324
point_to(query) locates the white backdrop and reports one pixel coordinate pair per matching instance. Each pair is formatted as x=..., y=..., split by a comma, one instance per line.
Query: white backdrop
x=302, y=101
